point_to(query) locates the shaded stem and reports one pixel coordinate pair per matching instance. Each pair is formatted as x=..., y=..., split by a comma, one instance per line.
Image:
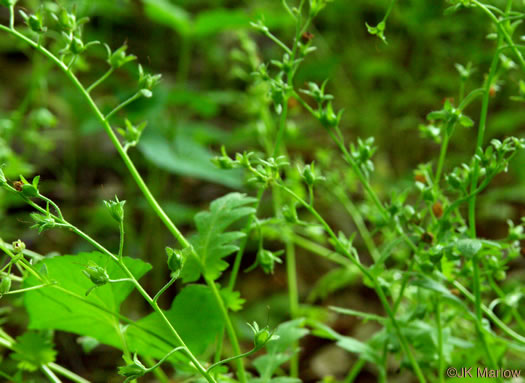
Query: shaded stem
x=100, y=80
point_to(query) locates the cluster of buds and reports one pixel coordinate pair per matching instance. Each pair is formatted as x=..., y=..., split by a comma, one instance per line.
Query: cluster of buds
x=325, y=112
x=35, y=22
x=450, y=116
x=310, y=175
x=147, y=82
x=378, y=30
x=119, y=58
x=264, y=171
x=132, y=133
x=362, y=154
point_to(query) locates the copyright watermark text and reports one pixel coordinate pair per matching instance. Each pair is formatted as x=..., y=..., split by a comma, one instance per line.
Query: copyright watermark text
x=482, y=372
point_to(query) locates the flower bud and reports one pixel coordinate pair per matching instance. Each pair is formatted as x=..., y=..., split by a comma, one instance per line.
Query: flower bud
x=119, y=58
x=77, y=46
x=34, y=22
x=133, y=370
x=116, y=208
x=19, y=246
x=261, y=336
x=176, y=259
x=96, y=274
x=42, y=222
x=29, y=190
x=148, y=81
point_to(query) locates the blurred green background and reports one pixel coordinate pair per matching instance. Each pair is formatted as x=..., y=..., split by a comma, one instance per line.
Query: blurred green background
x=206, y=52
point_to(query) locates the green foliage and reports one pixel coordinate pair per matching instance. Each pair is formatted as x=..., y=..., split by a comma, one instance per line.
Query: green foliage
x=213, y=243
x=32, y=350
x=194, y=314
x=426, y=237
x=68, y=309
x=187, y=158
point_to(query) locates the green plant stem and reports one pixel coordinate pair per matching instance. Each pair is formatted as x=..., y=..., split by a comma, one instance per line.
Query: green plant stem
x=498, y=322
x=354, y=372
x=66, y=373
x=238, y=257
x=362, y=178
x=122, y=105
x=51, y=376
x=272, y=37
x=315, y=248
x=282, y=128
x=107, y=127
x=100, y=80
x=158, y=372
x=389, y=10
x=359, y=223
x=439, y=329
x=121, y=240
x=502, y=296
x=233, y=358
x=237, y=264
x=241, y=374
x=293, y=296
x=140, y=183
x=475, y=176
x=442, y=156
x=502, y=30
x=165, y=357
x=164, y=288
x=28, y=289
x=480, y=139
x=379, y=290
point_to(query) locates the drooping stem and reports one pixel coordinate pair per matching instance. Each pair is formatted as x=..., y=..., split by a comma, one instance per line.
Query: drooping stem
x=164, y=288
x=100, y=80
x=122, y=105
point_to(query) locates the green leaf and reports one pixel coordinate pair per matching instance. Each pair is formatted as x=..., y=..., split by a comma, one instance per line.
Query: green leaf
x=33, y=350
x=469, y=247
x=186, y=157
x=194, y=314
x=353, y=345
x=466, y=121
x=357, y=347
x=232, y=299
x=50, y=308
x=171, y=15
x=443, y=292
x=212, y=243
x=359, y=314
